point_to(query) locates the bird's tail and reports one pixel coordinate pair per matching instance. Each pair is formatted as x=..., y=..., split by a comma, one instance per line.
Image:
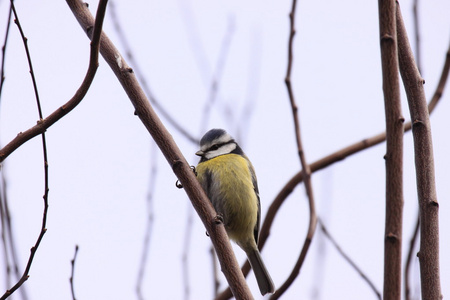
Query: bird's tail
x=263, y=278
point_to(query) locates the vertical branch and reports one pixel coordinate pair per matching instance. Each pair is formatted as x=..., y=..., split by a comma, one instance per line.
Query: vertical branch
x=394, y=151
x=409, y=259
x=72, y=273
x=2, y=67
x=306, y=170
x=424, y=161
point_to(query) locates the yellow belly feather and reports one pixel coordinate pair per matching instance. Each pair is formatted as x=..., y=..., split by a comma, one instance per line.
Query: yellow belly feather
x=233, y=185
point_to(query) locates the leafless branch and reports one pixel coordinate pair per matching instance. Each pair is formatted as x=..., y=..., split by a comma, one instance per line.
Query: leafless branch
x=348, y=259
x=25, y=275
x=424, y=162
x=2, y=67
x=43, y=124
x=306, y=170
x=129, y=54
x=172, y=154
x=150, y=218
x=394, y=152
x=409, y=258
x=72, y=263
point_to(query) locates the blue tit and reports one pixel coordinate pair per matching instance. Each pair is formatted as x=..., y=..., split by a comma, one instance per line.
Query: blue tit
x=229, y=180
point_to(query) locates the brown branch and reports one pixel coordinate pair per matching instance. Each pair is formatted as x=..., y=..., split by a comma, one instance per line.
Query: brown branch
x=171, y=152
x=72, y=263
x=306, y=170
x=43, y=124
x=424, y=162
x=394, y=152
x=25, y=276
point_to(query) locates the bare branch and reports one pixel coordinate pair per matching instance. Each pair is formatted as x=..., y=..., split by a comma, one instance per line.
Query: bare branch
x=424, y=162
x=394, y=152
x=306, y=170
x=409, y=258
x=129, y=54
x=172, y=154
x=43, y=124
x=348, y=259
x=2, y=67
x=98, y=25
x=72, y=263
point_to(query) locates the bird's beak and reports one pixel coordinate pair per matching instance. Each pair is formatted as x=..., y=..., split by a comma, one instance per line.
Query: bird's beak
x=199, y=153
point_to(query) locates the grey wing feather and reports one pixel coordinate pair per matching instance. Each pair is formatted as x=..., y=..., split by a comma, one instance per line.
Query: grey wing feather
x=255, y=187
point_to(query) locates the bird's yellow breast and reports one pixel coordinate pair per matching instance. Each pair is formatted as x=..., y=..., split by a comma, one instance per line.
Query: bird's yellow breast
x=227, y=180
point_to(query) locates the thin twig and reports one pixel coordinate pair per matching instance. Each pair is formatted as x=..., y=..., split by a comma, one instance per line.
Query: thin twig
x=5, y=42
x=43, y=124
x=348, y=259
x=306, y=170
x=150, y=219
x=94, y=53
x=142, y=79
x=72, y=273
x=172, y=153
x=409, y=258
x=424, y=163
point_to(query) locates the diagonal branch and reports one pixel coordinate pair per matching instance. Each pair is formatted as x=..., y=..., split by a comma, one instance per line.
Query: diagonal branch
x=424, y=162
x=172, y=153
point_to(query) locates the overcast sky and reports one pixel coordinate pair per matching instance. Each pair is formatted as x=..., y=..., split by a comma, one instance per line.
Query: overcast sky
x=100, y=155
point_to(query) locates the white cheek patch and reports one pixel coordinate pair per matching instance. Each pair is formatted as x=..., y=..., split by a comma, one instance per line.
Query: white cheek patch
x=225, y=149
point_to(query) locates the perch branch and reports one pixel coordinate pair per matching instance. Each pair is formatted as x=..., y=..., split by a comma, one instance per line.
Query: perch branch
x=171, y=152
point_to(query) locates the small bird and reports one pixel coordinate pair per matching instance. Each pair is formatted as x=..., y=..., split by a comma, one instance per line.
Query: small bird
x=229, y=180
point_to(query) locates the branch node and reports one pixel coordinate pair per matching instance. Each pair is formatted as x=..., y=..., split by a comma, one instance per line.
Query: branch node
x=387, y=38
x=391, y=237
x=218, y=219
x=434, y=203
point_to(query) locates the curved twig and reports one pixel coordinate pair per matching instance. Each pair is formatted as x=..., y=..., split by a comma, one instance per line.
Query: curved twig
x=306, y=170
x=348, y=259
x=72, y=273
x=129, y=53
x=19, y=141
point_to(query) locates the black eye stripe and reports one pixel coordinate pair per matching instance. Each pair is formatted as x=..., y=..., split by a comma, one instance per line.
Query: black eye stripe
x=217, y=146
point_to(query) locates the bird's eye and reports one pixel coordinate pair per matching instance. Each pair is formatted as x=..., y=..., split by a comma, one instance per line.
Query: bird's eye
x=214, y=147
